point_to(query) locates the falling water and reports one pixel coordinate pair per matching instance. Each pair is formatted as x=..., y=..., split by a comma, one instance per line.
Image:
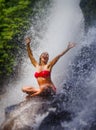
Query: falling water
x=65, y=23
x=83, y=81
x=62, y=23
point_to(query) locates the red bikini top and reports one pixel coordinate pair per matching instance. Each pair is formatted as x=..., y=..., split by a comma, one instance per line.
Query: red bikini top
x=44, y=74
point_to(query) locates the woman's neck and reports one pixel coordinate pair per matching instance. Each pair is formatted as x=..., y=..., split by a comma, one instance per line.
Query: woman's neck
x=43, y=63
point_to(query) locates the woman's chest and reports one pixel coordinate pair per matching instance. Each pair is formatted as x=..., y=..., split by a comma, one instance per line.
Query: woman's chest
x=42, y=68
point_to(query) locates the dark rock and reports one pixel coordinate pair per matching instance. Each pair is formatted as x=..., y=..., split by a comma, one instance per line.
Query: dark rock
x=89, y=10
x=93, y=126
x=53, y=120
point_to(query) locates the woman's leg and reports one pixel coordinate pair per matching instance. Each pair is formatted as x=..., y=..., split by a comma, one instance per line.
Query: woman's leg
x=36, y=93
x=44, y=91
x=29, y=90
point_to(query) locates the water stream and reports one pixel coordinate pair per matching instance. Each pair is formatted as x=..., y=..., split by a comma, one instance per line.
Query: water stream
x=62, y=23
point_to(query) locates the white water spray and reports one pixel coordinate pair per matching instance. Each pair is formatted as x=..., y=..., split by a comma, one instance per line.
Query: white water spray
x=64, y=25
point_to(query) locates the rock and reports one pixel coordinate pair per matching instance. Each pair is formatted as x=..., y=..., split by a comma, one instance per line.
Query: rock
x=54, y=120
x=93, y=126
x=36, y=114
x=89, y=10
x=23, y=115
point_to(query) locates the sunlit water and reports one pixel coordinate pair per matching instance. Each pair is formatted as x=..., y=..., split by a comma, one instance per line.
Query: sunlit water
x=62, y=23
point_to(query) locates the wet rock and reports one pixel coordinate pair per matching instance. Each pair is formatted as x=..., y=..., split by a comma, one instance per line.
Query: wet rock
x=93, y=126
x=36, y=114
x=89, y=10
x=55, y=120
x=24, y=116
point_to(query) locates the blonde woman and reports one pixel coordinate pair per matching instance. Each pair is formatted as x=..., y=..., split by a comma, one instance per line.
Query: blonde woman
x=43, y=72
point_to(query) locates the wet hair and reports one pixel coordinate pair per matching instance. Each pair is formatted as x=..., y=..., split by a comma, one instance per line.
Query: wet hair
x=44, y=53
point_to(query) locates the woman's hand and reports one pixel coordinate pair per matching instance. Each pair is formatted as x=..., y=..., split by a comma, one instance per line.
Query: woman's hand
x=71, y=45
x=27, y=40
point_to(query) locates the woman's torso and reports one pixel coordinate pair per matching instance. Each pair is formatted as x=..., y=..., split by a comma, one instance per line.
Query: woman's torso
x=43, y=75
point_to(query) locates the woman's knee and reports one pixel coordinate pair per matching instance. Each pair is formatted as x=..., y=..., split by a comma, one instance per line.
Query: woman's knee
x=23, y=89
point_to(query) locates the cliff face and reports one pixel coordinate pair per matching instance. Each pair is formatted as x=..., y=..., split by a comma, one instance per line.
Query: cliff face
x=89, y=10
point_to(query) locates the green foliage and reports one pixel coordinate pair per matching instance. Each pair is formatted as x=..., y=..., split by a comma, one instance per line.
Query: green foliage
x=14, y=21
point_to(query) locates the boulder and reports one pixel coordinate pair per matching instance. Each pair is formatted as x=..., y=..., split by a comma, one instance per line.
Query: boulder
x=37, y=113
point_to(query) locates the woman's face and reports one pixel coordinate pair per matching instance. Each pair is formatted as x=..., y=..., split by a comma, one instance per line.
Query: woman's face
x=44, y=57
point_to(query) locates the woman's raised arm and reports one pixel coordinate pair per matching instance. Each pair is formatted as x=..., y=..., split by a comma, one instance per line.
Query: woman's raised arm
x=30, y=54
x=53, y=62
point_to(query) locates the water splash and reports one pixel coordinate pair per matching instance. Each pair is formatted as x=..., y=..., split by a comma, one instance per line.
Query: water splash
x=62, y=23
x=83, y=79
x=65, y=24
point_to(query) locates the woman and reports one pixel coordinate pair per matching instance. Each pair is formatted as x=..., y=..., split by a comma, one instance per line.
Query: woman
x=43, y=72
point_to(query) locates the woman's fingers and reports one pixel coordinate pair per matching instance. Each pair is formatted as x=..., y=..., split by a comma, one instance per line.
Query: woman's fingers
x=27, y=40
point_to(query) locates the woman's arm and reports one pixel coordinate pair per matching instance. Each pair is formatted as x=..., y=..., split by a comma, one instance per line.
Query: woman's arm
x=53, y=62
x=30, y=54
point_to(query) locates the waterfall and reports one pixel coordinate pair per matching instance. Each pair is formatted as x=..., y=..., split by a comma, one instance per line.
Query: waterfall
x=61, y=23
x=83, y=81
x=65, y=23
